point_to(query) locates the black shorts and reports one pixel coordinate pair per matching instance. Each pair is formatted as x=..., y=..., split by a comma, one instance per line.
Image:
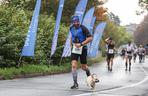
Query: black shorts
x=109, y=56
x=123, y=54
x=129, y=57
x=83, y=56
x=134, y=54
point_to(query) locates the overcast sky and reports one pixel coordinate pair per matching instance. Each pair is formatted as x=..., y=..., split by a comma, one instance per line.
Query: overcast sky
x=125, y=9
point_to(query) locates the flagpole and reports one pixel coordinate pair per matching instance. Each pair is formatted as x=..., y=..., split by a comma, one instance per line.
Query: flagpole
x=19, y=62
x=50, y=60
x=61, y=60
x=52, y=55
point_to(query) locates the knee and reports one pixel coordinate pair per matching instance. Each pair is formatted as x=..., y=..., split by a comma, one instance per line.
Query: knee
x=84, y=67
x=74, y=64
x=108, y=60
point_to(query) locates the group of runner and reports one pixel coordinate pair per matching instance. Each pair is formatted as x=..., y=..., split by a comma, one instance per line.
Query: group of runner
x=80, y=37
x=135, y=51
x=128, y=52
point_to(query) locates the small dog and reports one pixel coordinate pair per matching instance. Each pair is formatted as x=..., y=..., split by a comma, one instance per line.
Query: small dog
x=91, y=81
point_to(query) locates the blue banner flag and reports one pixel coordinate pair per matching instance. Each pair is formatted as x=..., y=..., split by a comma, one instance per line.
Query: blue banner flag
x=96, y=39
x=29, y=46
x=67, y=48
x=80, y=9
x=87, y=22
x=92, y=33
x=56, y=29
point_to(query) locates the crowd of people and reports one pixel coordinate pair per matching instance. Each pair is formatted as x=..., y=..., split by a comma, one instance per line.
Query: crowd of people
x=132, y=51
x=128, y=52
x=135, y=52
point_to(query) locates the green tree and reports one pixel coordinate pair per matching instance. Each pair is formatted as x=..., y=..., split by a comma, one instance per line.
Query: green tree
x=141, y=33
x=12, y=29
x=144, y=4
x=14, y=24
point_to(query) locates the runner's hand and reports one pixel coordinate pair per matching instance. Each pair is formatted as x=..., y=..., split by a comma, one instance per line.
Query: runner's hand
x=78, y=45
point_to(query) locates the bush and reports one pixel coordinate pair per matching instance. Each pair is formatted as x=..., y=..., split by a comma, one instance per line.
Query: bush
x=14, y=24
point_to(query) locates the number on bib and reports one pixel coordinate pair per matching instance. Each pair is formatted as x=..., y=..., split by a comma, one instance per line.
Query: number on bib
x=110, y=51
x=76, y=50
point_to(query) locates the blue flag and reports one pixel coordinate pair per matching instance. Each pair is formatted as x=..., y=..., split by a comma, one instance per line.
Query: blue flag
x=80, y=9
x=29, y=46
x=87, y=22
x=56, y=29
x=96, y=39
x=92, y=33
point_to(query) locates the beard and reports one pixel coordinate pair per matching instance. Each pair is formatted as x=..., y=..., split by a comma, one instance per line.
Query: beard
x=76, y=25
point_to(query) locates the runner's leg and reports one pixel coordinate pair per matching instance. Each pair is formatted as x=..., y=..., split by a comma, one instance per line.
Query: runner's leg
x=126, y=64
x=111, y=64
x=74, y=64
x=130, y=58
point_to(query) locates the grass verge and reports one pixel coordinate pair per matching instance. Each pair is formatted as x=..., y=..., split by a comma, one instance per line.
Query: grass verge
x=31, y=70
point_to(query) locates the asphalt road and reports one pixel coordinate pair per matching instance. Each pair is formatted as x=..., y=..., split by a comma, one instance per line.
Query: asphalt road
x=115, y=83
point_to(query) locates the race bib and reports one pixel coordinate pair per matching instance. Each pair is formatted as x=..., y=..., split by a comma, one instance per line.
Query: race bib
x=110, y=51
x=76, y=50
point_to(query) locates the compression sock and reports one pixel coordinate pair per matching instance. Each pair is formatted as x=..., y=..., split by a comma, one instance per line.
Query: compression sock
x=87, y=72
x=126, y=66
x=74, y=74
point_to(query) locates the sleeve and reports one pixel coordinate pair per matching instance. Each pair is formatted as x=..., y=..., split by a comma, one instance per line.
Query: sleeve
x=86, y=31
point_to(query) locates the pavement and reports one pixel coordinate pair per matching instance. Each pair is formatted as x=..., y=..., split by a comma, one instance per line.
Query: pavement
x=116, y=83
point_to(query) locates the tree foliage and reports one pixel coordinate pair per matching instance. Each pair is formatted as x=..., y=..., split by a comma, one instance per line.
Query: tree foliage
x=14, y=24
x=144, y=4
x=114, y=18
x=100, y=13
x=141, y=33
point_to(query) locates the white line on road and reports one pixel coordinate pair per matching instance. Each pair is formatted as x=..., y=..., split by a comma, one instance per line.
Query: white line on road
x=120, y=88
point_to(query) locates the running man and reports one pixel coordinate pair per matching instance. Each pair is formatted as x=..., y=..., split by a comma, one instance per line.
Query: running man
x=141, y=53
x=135, y=52
x=123, y=53
x=80, y=36
x=128, y=56
x=110, y=52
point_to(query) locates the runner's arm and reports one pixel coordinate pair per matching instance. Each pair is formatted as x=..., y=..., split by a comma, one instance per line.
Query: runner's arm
x=106, y=40
x=88, y=36
x=88, y=39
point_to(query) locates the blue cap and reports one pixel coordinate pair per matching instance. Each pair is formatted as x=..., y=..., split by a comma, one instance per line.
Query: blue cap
x=75, y=19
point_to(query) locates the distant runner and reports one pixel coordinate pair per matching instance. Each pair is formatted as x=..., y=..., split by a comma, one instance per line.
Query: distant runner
x=123, y=53
x=135, y=52
x=141, y=53
x=110, y=52
x=128, y=55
